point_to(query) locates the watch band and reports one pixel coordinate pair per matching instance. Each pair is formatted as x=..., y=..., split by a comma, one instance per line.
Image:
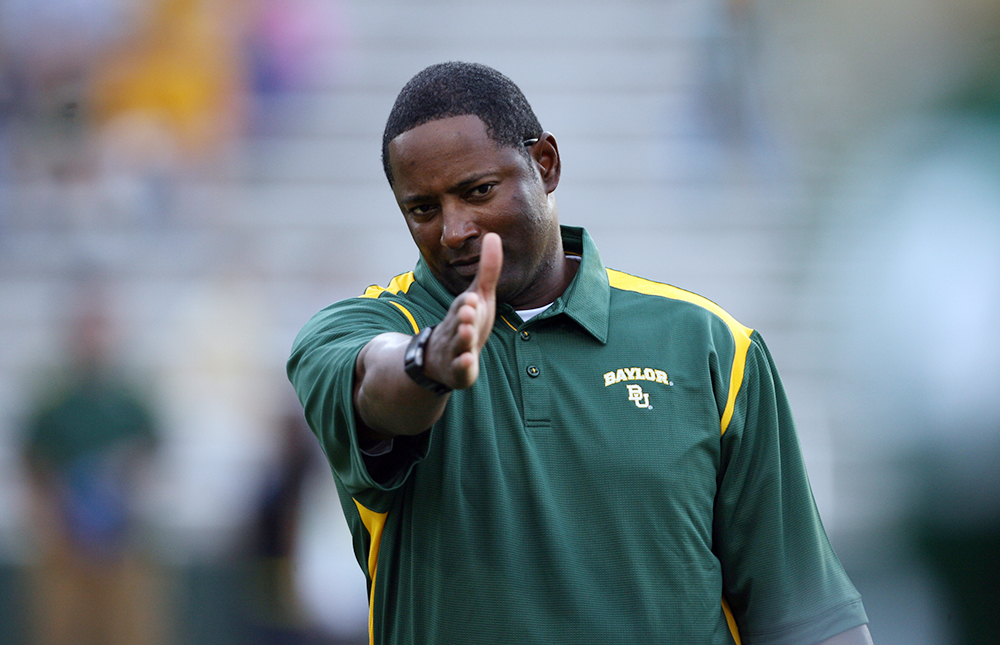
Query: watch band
x=413, y=362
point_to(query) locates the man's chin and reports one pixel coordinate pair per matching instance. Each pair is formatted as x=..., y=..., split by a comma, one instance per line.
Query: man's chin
x=457, y=283
x=454, y=282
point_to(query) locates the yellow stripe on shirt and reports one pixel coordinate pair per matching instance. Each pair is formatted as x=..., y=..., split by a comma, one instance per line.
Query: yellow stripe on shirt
x=374, y=523
x=401, y=283
x=741, y=334
x=731, y=621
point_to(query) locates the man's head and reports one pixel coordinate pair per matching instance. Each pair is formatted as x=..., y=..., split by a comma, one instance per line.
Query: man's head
x=456, y=89
x=456, y=177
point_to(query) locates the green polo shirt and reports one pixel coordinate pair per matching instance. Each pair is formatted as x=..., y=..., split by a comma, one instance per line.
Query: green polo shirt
x=624, y=470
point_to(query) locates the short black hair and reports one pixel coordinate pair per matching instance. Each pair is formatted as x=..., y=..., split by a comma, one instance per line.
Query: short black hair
x=457, y=89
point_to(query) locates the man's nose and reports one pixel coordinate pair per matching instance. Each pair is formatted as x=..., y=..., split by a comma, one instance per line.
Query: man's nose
x=458, y=225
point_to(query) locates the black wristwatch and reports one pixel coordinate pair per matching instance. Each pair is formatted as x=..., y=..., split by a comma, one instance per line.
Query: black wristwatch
x=413, y=363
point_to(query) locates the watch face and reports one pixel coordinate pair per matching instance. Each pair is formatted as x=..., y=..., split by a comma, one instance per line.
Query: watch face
x=418, y=351
x=413, y=359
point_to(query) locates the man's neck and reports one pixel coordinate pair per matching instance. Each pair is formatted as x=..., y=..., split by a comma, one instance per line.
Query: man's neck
x=561, y=275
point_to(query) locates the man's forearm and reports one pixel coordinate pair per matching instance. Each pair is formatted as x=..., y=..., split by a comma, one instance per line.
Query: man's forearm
x=388, y=402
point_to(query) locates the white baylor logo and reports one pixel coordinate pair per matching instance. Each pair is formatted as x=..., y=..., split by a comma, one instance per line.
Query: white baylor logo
x=635, y=392
x=640, y=398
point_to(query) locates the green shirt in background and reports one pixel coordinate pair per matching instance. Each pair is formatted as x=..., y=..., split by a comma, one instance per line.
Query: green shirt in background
x=83, y=444
x=624, y=470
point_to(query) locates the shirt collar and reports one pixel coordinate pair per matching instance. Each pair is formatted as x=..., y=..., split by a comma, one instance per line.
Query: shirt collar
x=586, y=300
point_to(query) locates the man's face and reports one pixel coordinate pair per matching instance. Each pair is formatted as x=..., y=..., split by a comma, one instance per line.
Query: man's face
x=454, y=185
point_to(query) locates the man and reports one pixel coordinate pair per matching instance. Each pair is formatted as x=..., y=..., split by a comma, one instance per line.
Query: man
x=531, y=448
x=86, y=441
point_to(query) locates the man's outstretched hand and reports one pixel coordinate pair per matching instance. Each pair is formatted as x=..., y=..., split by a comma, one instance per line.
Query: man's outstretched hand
x=387, y=401
x=452, y=355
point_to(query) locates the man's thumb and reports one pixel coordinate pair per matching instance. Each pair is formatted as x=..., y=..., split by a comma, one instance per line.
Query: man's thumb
x=490, y=263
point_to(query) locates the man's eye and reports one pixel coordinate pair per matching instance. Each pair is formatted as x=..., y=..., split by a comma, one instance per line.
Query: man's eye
x=423, y=210
x=481, y=191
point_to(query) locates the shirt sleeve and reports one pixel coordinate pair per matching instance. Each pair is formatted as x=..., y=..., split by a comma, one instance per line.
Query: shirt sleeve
x=781, y=578
x=321, y=369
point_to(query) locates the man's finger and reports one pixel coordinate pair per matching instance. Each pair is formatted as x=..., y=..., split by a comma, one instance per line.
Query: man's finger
x=490, y=263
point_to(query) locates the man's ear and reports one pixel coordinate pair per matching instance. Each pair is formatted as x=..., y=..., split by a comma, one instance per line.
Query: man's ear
x=545, y=153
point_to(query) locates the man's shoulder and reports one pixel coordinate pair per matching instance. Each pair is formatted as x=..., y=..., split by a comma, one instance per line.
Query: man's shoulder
x=401, y=305
x=401, y=285
x=661, y=297
x=401, y=289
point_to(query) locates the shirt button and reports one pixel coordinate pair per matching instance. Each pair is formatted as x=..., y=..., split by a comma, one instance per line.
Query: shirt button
x=532, y=371
x=525, y=335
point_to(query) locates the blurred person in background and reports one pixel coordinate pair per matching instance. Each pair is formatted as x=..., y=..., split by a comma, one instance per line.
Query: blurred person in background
x=274, y=609
x=113, y=104
x=86, y=443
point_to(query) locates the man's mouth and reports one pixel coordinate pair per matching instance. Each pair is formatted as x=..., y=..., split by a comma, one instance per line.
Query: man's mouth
x=467, y=267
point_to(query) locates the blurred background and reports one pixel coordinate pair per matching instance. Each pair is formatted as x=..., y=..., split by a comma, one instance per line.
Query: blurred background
x=184, y=182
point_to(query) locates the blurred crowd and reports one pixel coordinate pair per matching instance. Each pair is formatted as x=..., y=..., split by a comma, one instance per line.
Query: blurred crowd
x=110, y=111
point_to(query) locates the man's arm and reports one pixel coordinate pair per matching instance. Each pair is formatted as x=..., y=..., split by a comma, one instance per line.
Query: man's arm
x=386, y=400
x=857, y=636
